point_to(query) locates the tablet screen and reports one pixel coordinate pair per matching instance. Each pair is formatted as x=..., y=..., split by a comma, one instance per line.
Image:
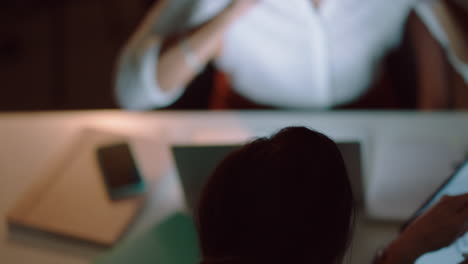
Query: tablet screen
x=456, y=185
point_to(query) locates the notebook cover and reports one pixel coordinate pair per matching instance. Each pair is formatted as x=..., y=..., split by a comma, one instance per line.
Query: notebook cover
x=70, y=198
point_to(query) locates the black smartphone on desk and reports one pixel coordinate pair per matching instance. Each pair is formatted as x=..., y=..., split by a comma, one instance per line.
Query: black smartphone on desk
x=120, y=172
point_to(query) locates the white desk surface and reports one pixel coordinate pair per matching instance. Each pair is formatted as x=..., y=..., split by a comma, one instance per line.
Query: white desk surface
x=29, y=141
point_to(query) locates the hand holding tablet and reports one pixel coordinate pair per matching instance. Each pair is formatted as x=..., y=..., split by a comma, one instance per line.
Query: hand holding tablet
x=443, y=219
x=437, y=233
x=439, y=227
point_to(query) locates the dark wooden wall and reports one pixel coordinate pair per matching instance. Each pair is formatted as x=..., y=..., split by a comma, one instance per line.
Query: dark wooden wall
x=61, y=54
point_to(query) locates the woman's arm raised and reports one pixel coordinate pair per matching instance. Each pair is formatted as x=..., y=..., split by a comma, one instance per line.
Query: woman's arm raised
x=159, y=61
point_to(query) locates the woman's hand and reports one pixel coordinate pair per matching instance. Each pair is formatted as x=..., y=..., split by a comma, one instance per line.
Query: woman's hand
x=437, y=228
x=441, y=225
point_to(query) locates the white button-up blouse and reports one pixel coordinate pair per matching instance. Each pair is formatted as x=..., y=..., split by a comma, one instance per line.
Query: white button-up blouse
x=284, y=53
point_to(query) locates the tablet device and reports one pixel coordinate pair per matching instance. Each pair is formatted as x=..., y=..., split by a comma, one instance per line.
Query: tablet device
x=456, y=184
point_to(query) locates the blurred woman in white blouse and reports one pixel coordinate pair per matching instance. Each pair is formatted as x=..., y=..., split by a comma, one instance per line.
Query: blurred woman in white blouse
x=312, y=54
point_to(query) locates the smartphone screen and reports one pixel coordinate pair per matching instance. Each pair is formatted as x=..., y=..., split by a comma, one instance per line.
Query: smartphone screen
x=120, y=172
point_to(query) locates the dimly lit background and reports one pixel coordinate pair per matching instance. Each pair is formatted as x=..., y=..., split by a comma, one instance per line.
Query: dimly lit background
x=60, y=55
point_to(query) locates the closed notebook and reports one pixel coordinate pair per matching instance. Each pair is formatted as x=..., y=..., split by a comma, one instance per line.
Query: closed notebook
x=70, y=198
x=173, y=241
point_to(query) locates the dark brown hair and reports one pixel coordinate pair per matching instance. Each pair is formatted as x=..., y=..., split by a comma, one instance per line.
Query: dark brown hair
x=283, y=199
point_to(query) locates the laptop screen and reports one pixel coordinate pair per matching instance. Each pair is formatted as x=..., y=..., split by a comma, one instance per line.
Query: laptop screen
x=195, y=164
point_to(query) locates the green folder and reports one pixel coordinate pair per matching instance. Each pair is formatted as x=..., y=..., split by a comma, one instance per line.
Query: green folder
x=174, y=241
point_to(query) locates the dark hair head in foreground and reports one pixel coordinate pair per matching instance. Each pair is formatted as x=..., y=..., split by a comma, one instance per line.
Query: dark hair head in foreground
x=283, y=199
